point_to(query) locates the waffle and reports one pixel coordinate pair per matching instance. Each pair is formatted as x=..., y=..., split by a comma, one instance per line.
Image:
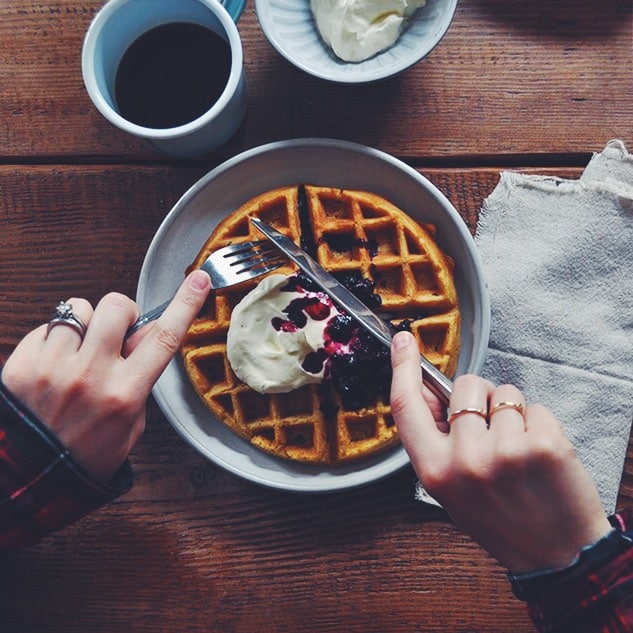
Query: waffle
x=346, y=232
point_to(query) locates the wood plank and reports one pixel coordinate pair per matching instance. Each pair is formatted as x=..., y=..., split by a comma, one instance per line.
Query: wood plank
x=550, y=78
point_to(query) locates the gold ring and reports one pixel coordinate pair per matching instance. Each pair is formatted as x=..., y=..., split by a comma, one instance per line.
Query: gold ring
x=517, y=406
x=482, y=413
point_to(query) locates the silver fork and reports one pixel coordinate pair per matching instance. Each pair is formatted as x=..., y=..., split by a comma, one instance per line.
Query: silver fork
x=227, y=266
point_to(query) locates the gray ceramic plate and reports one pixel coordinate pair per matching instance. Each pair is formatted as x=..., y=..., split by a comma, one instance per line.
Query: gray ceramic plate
x=319, y=162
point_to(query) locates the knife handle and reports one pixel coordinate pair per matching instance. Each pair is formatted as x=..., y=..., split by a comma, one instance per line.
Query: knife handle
x=436, y=381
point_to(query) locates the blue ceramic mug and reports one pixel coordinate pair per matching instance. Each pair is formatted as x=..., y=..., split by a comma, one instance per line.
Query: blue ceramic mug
x=168, y=71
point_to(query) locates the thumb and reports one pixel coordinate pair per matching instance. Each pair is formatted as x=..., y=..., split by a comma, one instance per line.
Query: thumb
x=161, y=341
x=416, y=424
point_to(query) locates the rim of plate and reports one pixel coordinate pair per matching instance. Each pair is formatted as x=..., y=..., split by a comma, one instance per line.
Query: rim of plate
x=176, y=397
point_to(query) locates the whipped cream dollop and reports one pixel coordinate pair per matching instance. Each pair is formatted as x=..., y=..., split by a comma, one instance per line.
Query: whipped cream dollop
x=276, y=340
x=359, y=29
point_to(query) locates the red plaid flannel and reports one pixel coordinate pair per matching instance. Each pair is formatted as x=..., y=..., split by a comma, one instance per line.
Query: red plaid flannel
x=41, y=488
x=594, y=595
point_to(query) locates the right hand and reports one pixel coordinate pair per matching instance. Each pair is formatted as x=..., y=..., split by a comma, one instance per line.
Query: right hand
x=516, y=486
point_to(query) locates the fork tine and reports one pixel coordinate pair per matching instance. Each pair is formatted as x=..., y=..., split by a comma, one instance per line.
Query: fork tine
x=238, y=262
x=258, y=264
x=243, y=247
x=254, y=258
x=251, y=253
x=262, y=267
x=228, y=266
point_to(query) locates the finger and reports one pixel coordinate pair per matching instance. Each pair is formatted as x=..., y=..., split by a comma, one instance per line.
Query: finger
x=60, y=336
x=109, y=322
x=163, y=338
x=416, y=425
x=539, y=419
x=507, y=410
x=437, y=407
x=468, y=411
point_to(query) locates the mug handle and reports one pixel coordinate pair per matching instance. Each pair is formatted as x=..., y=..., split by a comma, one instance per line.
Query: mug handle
x=234, y=8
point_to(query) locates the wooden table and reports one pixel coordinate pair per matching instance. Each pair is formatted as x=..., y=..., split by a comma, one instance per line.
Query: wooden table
x=536, y=86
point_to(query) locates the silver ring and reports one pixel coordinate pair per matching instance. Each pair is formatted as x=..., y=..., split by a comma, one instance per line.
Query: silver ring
x=64, y=315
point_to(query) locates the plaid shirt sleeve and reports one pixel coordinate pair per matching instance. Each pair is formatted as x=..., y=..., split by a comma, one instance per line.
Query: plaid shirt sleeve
x=41, y=488
x=593, y=595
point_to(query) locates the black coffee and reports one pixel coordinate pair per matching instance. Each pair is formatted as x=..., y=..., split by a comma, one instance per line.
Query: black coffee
x=171, y=75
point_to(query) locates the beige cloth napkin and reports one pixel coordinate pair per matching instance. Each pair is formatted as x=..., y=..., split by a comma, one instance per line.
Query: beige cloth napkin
x=558, y=255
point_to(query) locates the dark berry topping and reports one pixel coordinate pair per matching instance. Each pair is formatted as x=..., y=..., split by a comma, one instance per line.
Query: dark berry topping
x=295, y=312
x=371, y=246
x=341, y=328
x=314, y=361
x=344, y=242
x=363, y=374
x=307, y=241
x=340, y=242
x=361, y=287
x=356, y=365
x=318, y=310
x=403, y=326
x=282, y=325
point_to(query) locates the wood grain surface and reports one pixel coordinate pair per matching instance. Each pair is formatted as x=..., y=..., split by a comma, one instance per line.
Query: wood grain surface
x=536, y=87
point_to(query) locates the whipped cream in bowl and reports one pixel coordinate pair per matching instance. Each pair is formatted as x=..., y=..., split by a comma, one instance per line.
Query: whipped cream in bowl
x=359, y=29
x=301, y=33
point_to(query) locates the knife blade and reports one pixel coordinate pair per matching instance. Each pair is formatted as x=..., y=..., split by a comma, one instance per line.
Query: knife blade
x=439, y=384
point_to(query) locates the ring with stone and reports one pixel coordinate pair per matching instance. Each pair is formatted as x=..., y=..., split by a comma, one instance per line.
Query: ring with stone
x=64, y=315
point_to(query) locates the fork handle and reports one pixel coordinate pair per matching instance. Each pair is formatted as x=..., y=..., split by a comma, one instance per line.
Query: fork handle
x=146, y=318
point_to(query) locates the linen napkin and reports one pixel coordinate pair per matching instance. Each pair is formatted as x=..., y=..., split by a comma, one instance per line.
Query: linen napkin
x=558, y=258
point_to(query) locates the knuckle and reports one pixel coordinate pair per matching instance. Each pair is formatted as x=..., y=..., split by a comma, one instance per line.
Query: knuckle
x=189, y=300
x=399, y=403
x=166, y=338
x=118, y=401
x=474, y=469
x=551, y=448
x=82, y=383
x=467, y=381
x=82, y=307
x=117, y=301
x=510, y=455
x=476, y=465
x=507, y=392
x=436, y=477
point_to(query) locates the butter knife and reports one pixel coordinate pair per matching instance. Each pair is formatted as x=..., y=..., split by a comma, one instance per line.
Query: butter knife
x=437, y=382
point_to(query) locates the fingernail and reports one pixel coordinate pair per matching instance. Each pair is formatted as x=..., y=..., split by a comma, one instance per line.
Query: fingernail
x=199, y=280
x=402, y=340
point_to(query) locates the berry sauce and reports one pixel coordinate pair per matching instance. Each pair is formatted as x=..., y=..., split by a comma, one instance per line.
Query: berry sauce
x=357, y=366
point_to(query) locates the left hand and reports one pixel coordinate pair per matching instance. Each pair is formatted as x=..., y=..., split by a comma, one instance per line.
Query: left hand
x=91, y=393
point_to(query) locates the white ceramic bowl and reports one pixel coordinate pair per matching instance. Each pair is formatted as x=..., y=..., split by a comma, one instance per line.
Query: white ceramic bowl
x=291, y=29
x=320, y=162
